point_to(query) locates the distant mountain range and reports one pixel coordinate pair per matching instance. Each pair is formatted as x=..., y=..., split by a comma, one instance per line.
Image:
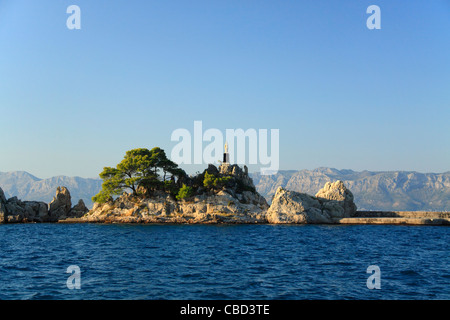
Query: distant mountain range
x=387, y=190
x=28, y=187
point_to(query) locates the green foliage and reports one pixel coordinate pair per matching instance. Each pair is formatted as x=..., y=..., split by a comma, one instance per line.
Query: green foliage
x=222, y=181
x=210, y=181
x=102, y=197
x=185, y=192
x=139, y=168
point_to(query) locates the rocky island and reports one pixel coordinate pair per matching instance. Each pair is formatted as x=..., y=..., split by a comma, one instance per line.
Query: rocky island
x=147, y=187
x=218, y=195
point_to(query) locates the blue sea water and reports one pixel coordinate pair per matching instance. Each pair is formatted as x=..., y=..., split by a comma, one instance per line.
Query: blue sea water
x=223, y=261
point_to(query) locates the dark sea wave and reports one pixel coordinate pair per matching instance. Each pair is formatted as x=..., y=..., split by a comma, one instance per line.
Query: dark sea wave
x=223, y=261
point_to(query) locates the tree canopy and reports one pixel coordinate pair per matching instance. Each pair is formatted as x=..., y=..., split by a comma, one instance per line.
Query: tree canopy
x=210, y=181
x=185, y=192
x=140, y=168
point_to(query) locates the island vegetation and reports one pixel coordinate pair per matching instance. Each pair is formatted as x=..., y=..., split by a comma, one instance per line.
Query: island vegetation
x=144, y=172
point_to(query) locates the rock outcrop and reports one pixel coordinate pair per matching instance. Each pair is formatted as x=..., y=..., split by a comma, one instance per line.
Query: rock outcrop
x=373, y=190
x=78, y=210
x=294, y=207
x=339, y=197
x=237, y=172
x=2, y=197
x=3, y=209
x=332, y=202
x=14, y=210
x=27, y=187
x=61, y=204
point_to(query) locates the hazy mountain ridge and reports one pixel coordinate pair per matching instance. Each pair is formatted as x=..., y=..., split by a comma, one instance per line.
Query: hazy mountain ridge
x=383, y=190
x=28, y=187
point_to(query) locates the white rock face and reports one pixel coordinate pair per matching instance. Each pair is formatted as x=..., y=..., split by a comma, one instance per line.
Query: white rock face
x=340, y=197
x=334, y=201
x=294, y=207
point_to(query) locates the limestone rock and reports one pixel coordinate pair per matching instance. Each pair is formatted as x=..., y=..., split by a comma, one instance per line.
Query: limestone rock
x=3, y=208
x=25, y=211
x=61, y=203
x=334, y=201
x=35, y=211
x=340, y=197
x=78, y=210
x=61, y=206
x=294, y=207
x=237, y=172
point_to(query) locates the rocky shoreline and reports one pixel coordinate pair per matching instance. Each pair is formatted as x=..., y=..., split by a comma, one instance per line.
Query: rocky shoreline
x=14, y=210
x=235, y=203
x=219, y=220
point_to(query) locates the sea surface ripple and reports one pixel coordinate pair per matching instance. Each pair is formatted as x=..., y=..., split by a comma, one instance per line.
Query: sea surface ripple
x=223, y=261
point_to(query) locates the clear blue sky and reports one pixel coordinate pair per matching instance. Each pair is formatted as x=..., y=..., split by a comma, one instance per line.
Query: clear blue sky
x=343, y=96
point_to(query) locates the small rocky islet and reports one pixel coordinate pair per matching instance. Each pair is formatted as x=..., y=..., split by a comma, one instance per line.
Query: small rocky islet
x=235, y=202
x=162, y=192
